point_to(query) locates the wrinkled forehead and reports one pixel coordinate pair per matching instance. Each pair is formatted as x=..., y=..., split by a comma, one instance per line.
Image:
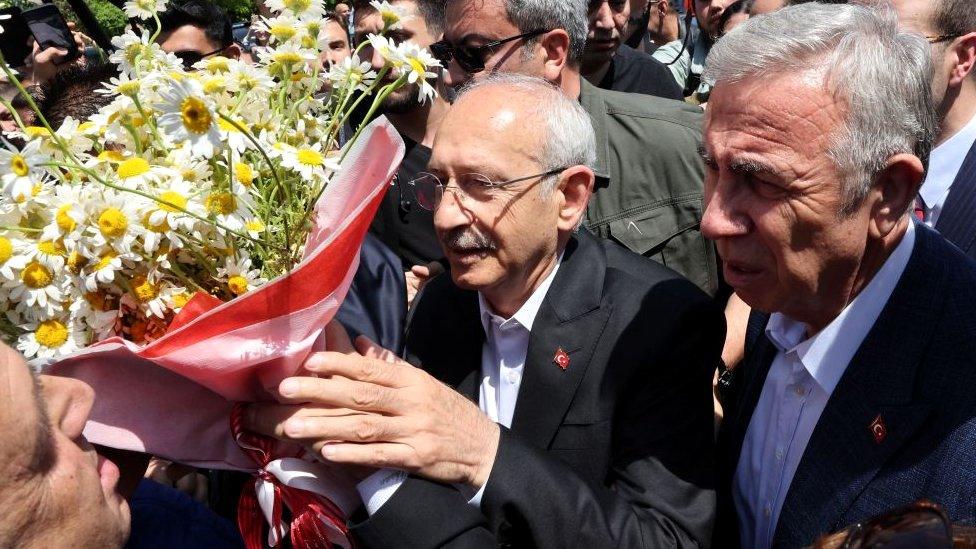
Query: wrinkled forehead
x=21, y=409
x=464, y=18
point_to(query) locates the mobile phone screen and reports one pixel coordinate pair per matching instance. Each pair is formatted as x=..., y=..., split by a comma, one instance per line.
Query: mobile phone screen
x=50, y=29
x=15, y=40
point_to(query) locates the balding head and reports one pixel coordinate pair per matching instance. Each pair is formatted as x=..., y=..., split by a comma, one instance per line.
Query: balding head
x=515, y=155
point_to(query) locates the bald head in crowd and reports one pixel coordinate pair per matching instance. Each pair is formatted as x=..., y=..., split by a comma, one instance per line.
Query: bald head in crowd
x=54, y=488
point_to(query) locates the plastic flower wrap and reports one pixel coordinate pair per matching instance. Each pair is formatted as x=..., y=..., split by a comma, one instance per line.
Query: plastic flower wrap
x=187, y=182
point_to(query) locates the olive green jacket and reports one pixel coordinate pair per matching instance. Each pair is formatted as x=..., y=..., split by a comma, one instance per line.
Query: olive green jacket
x=648, y=193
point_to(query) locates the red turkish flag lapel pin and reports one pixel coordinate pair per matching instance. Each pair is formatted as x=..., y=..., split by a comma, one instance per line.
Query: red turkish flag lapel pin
x=561, y=359
x=878, y=429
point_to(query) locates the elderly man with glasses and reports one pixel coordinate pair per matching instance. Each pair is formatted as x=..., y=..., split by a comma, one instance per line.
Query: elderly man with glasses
x=648, y=178
x=563, y=395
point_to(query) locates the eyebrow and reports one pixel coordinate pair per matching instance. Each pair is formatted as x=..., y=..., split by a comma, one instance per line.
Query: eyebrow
x=737, y=165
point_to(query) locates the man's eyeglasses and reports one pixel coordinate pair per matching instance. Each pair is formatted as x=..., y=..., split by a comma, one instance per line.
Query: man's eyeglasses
x=472, y=58
x=429, y=189
x=190, y=57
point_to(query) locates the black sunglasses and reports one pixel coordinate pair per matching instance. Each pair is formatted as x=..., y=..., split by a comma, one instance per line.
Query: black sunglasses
x=189, y=57
x=472, y=58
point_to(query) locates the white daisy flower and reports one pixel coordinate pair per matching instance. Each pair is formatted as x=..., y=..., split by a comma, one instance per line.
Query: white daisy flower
x=393, y=15
x=391, y=53
x=36, y=290
x=114, y=220
x=239, y=276
x=103, y=271
x=143, y=9
x=21, y=170
x=352, y=73
x=189, y=117
x=282, y=28
x=417, y=63
x=137, y=173
x=9, y=260
x=287, y=59
x=52, y=338
x=236, y=140
x=309, y=161
x=302, y=9
x=50, y=253
x=249, y=79
x=229, y=209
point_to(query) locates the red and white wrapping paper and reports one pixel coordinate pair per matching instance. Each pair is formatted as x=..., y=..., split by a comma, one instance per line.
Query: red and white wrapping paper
x=173, y=398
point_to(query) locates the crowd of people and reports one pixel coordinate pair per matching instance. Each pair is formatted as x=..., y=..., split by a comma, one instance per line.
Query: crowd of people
x=649, y=275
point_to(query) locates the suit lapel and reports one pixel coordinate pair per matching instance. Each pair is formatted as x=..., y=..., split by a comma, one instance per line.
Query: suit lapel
x=572, y=318
x=957, y=222
x=843, y=454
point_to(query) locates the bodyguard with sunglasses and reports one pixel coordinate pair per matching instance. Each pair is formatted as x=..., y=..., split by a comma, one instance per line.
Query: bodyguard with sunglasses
x=197, y=30
x=648, y=194
x=562, y=394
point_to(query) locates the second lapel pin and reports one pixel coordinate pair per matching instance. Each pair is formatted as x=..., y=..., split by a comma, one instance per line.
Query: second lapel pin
x=561, y=359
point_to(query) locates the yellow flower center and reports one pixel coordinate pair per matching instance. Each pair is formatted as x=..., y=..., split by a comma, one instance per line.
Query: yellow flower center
x=390, y=18
x=76, y=262
x=111, y=156
x=181, y=299
x=51, y=333
x=19, y=166
x=254, y=226
x=237, y=284
x=144, y=290
x=308, y=41
x=282, y=32
x=221, y=203
x=214, y=85
x=113, y=223
x=132, y=52
x=298, y=6
x=218, y=64
x=244, y=173
x=6, y=249
x=105, y=261
x=52, y=247
x=417, y=66
x=287, y=58
x=309, y=157
x=129, y=88
x=132, y=167
x=36, y=131
x=176, y=202
x=196, y=115
x=36, y=275
x=64, y=220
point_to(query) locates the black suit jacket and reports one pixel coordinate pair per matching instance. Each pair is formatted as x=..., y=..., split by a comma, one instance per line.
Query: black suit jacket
x=916, y=369
x=958, y=219
x=617, y=450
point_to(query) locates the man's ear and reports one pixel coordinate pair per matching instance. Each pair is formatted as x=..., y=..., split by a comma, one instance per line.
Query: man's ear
x=232, y=51
x=573, y=192
x=894, y=192
x=555, y=47
x=966, y=59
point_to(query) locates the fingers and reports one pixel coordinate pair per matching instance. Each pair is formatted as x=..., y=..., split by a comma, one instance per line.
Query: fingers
x=358, y=428
x=340, y=392
x=369, y=349
x=269, y=419
x=366, y=369
x=420, y=271
x=377, y=455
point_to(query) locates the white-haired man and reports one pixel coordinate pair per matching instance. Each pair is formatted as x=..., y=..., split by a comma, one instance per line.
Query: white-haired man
x=647, y=192
x=855, y=395
x=564, y=391
x=947, y=200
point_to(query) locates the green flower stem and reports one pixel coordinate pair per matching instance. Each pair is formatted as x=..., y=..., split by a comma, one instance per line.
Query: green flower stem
x=190, y=283
x=20, y=229
x=10, y=108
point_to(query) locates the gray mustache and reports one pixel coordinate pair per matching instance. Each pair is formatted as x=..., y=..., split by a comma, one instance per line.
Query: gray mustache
x=464, y=239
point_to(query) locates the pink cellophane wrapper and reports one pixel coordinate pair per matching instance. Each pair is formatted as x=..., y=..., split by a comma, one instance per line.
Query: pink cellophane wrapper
x=173, y=397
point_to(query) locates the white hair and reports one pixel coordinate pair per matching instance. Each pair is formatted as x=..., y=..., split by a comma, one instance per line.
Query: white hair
x=858, y=52
x=569, y=139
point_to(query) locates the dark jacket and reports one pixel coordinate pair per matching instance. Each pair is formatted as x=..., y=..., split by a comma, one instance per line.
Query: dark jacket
x=916, y=369
x=615, y=450
x=957, y=222
x=648, y=194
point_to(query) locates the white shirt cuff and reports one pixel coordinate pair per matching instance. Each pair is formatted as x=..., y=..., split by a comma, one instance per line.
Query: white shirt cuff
x=476, y=499
x=378, y=488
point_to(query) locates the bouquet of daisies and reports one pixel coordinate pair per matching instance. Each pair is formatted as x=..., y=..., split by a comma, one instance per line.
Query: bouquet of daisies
x=186, y=183
x=184, y=248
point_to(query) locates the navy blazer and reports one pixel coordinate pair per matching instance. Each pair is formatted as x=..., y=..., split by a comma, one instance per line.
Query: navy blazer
x=916, y=370
x=958, y=219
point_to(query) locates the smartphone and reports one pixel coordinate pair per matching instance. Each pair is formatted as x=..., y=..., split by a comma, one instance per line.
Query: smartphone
x=50, y=30
x=15, y=40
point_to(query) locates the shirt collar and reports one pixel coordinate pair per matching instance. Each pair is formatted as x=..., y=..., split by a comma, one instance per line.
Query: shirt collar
x=826, y=355
x=526, y=314
x=945, y=162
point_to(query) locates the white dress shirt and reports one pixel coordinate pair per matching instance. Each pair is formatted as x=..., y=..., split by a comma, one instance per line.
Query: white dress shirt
x=801, y=379
x=944, y=165
x=502, y=363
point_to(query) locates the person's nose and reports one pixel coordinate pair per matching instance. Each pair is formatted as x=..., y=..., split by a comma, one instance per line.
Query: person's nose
x=454, y=75
x=603, y=19
x=69, y=403
x=722, y=217
x=452, y=212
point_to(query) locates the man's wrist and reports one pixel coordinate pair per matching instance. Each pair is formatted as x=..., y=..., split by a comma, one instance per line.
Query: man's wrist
x=483, y=470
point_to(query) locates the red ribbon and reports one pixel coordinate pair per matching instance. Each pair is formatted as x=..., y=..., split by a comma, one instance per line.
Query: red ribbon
x=307, y=529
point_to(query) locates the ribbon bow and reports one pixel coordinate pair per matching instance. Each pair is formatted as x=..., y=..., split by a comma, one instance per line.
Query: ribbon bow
x=316, y=523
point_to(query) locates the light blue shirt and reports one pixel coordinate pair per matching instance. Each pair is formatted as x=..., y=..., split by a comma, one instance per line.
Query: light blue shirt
x=801, y=379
